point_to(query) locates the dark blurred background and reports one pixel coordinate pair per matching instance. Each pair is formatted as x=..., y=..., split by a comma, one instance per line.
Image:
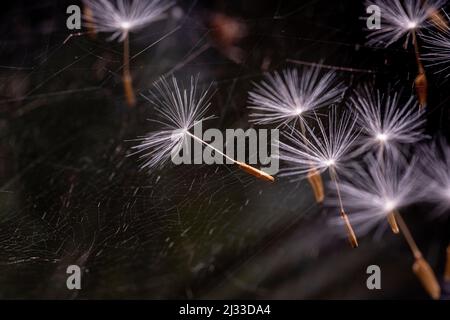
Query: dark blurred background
x=71, y=194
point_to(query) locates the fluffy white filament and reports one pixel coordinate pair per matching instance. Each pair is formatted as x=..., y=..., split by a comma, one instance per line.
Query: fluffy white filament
x=121, y=17
x=179, y=108
x=292, y=95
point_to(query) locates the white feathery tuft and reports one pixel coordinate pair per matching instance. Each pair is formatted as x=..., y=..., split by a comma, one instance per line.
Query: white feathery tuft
x=328, y=148
x=292, y=95
x=372, y=191
x=121, y=17
x=387, y=125
x=179, y=108
x=400, y=18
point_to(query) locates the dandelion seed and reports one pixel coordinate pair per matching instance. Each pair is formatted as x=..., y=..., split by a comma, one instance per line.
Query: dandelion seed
x=180, y=109
x=379, y=191
x=405, y=19
x=386, y=124
x=373, y=192
x=328, y=150
x=120, y=17
x=330, y=147
x=293, y=95
x=401, y=19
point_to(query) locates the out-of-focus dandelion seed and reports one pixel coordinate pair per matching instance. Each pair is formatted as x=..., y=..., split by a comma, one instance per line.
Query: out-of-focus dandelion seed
x=379, y=191
x=374, y=192
x=226, y=32
x=121, y=17
x=386, y=123
x=179, y=109
x=405, y=19
x=425, y=273
x=402, y=18
x=328, y=150
x=293, y=95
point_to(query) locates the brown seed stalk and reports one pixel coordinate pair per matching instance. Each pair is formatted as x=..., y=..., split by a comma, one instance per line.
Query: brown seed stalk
x=348, y=226
x=315, y=180
x=243, y=166
x=255, y=172
x=420, y=82
x=421, y=267
x=314, y=176
x=350, y=232
x=426, y=276
x=393, y=222
x=127, y=80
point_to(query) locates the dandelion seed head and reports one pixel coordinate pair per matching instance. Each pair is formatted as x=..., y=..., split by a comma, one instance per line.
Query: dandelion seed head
x=412, y=25
x=401, y=17
x=330, y=146
x=119, y=17
x=387, y=124
x=290, y=96
x=382, y=137
x=179, y=108
x=390, y=205
x=125, y=25
x=376, y=188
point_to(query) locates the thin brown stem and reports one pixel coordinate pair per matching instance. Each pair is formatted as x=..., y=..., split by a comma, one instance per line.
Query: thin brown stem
x=314, y=176
x=350, y=232
x=420, y=82
x=408, y=237
x=334, y=178
x=127, y=80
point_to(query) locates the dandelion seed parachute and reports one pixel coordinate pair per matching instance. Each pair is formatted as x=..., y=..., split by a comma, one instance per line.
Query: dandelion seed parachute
x=120, y=17
x=292, y=95
x=401, y=18
x=329, y=149
x=376, y=192
x=376, y=189
x=386, y=124
x=179, y=109
x=406, y=18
